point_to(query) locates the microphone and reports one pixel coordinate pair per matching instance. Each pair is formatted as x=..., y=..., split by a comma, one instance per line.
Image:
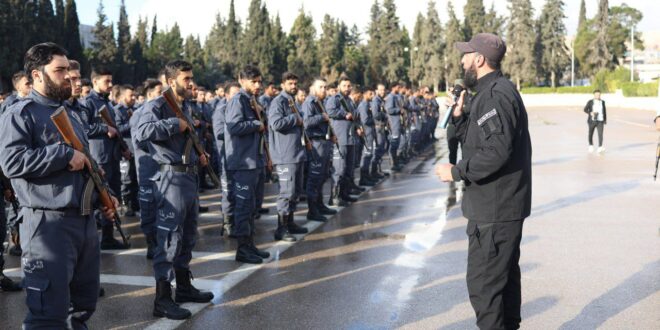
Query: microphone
x=456, y=93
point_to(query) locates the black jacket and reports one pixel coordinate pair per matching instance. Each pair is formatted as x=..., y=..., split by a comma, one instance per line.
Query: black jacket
x=589, y=108
x=497, y=153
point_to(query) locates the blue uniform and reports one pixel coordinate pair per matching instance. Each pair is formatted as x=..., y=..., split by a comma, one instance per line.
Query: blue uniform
x=226, y=183
x=287, y=151
x=177, y=183
x=320, y=159
x=380, y=119
x=9, y=101
x=145, y=168
x=60, y=246
x=337, y=108
x=129, y=184
x=392, y=106
x=244, y=149
x=369, y=127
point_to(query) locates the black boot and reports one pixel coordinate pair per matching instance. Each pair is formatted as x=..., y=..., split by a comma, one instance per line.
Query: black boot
x=185, y=291
x=374, y=173
x=324, y=209
x=261, y=253
x=108, y=242
x=366, y=180
x=203, y=209
x=6, y=284
x=15, y=250
x=332, y=194
x=293, y=227
x=164, y=306
x=264, y=210
x=314, y=212
x=151, y=245
x=355, y=189
x=345, y=198
x=282, y=232
x=245, y=253
x=228, y=226
x=130, y=212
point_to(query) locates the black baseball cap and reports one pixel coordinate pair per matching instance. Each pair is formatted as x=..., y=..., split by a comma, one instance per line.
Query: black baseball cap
x=486, y=44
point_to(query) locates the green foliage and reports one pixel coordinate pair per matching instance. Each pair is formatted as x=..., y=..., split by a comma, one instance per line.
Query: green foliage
x=303, y=57
x=640, y=89
x=519, y=62
x=558, y=90
x=474, y=18
x=454, y=34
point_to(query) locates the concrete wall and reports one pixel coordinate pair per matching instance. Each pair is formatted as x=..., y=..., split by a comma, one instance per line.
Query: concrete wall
x=579, y=100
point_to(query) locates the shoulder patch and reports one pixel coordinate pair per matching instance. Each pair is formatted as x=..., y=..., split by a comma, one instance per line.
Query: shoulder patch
x=487, y=116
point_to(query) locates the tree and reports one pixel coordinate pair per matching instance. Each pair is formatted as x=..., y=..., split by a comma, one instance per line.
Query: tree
x=154, y=30
x=166, y=46
x=72, y=34
x=553, y=51
x=519, y=61
x=331, y=47
x=375, y=51
x=492, y=22
x=432, y=48
x=279, y=47
x=303, y=56
x=255, y=43
x=393, y=42
x=453, y=34
x=621, y=20
x=46, y=18
x=582, y=16
x=418, y=62
x=193, y=53
x=215, y=51
x=599, y=57
x=232, y=37
x=7, y=55
x=104, y=49
x=125, y=62
x=474, y=18
x=139, y=45
x=58, y=22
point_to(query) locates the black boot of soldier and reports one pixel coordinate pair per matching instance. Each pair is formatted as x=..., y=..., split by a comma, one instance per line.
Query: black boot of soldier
x=293, y=227
x=282, y=232
x=185, y=291
x=6, y=284
x=108, y=241
x=332, y=194
x=324, y=209
x=15, y=250
x=151, y=245
x=164, y=306
x=261, y=253
x=366, y=180
x=374, y=173
x=245, y=253
x=314, y=212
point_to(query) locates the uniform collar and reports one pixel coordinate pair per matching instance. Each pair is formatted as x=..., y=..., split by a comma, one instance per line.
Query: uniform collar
x=485, y=81
x=34, y=95
x=95, y=94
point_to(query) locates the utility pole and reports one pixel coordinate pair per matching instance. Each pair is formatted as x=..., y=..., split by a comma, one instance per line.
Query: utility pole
x=632, y=53
x=573, y=62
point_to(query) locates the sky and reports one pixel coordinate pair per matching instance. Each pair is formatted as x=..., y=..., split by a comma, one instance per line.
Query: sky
x=197, y=16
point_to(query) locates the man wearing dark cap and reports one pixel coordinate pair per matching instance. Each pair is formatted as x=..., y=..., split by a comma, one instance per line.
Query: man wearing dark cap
x=497, y=171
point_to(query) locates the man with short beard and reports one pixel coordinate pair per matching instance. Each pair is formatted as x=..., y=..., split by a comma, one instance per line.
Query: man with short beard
x=61, y=257
x=177, y=197
x=123, y=112
x=103, y=145
x=369, y=126
x=22, y=85
x=380, y=120
x=393, y=108
x=288, y=153
x=497, y=170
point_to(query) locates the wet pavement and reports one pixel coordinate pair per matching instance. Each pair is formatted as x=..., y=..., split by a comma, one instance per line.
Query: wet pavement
x=397, y=257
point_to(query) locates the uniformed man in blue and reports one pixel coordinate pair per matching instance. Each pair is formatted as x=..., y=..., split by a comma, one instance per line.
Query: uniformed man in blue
x=285, y=136
x=245, y=150
x=317, y=128
x=270, y=91
x=381, y=129
x=177, y=199
x=226, y=183
x=339, y=108
x=369, y=126
x=61, y=257
x=434, y=113
x=146, y=167
x=497, y=170
x=123, y=112
x=393, y=108
x=414, y=111
x=103, y=145
x=22, y=87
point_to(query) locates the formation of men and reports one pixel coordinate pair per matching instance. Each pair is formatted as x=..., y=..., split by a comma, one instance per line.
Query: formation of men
x=299, y=138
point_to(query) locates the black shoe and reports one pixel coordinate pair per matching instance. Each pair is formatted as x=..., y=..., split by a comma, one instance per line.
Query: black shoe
x=261, y=253
x=6, y=284
x=314, y=214
x=164, y=306
x=151, y=246
x=203, y=209
x=302, y=198
x=366, y=182
x=108, y=242
x=293, y=227
x=206, y=185
x=264, y=210
x=282, y=232
x=129, y=212
x=245, y=253
x=101, y=292
x=354, y=191
x=185, y=291
x=15, y=251
x=326, y=210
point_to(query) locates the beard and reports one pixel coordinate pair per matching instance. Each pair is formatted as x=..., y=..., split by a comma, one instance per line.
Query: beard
x=182, y=91
x=470, y=77
x=55, y=91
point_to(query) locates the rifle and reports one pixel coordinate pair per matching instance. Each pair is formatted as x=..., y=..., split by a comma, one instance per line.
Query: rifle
x=105, y=116
x=330, y=134
x=657, y=161
x=263, y=143
x=353, y=124
x=303, y=138
x=61, y=120
x=403, y=117
x=12, y=199
x=168, y=94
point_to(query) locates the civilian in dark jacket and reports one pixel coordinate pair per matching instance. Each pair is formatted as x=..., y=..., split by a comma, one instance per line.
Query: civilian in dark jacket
x=597, y=119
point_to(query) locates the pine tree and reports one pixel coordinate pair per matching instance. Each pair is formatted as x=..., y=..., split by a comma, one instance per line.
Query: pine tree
x=393, y=68
x=104, y=49
x=474, y=18
x=375, y=52
x=582, y=17
x=453, y=34
x=58, y=21
x=46, y=19
x=493, y=23
x=553, y=51
x=193, y=53
x=139, y=45
x=255, y=47
x=520, y=61
x=232, y=43
x=215, y=49
x=72, y=41
x=303, y=57
x=599, y=57
x=279, y=48
x=125, y=62
x=331, y=47
x=418, y=63
x=432, y=48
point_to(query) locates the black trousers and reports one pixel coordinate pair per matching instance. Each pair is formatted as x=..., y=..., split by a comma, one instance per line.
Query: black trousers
x=593, y=125
x=493, y=273
x=452, y=144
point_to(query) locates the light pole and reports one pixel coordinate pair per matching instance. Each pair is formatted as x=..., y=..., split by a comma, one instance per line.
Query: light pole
x=632, y=53
x=412, y=64
x=573, y=62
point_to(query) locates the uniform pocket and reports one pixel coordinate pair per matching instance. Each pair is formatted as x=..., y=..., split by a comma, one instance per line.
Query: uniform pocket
x=35, y=288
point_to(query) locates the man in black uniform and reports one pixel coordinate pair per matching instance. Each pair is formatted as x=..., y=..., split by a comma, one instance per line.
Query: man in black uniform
x=497, y=171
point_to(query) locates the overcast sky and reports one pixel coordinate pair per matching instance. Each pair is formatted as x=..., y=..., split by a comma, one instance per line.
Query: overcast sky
x=197, y=16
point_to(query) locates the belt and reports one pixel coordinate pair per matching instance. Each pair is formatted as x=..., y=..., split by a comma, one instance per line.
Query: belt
x=188, y=169
x=317, y=137
x=65, y=210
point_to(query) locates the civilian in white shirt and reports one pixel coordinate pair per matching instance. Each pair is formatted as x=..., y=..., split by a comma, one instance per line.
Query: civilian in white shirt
x=597, y=118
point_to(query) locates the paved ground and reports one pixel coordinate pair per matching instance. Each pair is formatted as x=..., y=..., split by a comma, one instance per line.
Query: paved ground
x=397, y=258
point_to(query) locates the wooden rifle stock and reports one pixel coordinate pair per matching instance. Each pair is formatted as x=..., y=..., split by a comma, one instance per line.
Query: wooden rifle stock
x=105, y=116
x=63, y=123
x=168, y=94
x=305, y=140
x=264, y=140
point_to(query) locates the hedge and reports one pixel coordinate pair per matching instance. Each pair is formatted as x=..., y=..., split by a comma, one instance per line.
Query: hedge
x=639, y=89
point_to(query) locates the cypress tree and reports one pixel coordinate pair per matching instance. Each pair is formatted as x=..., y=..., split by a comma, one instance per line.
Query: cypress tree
x=125, y=61
x=453, y=34
x=59, y=22
x=474, y=18
x=375, y=52
x=599, y=57
x=303, y=56
x=432, y=48
x=553, y=51
x=72, y=41
x=394, y=43
x=520, y=61
x=46, y=22
x=417, y=66
x=104, y=49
